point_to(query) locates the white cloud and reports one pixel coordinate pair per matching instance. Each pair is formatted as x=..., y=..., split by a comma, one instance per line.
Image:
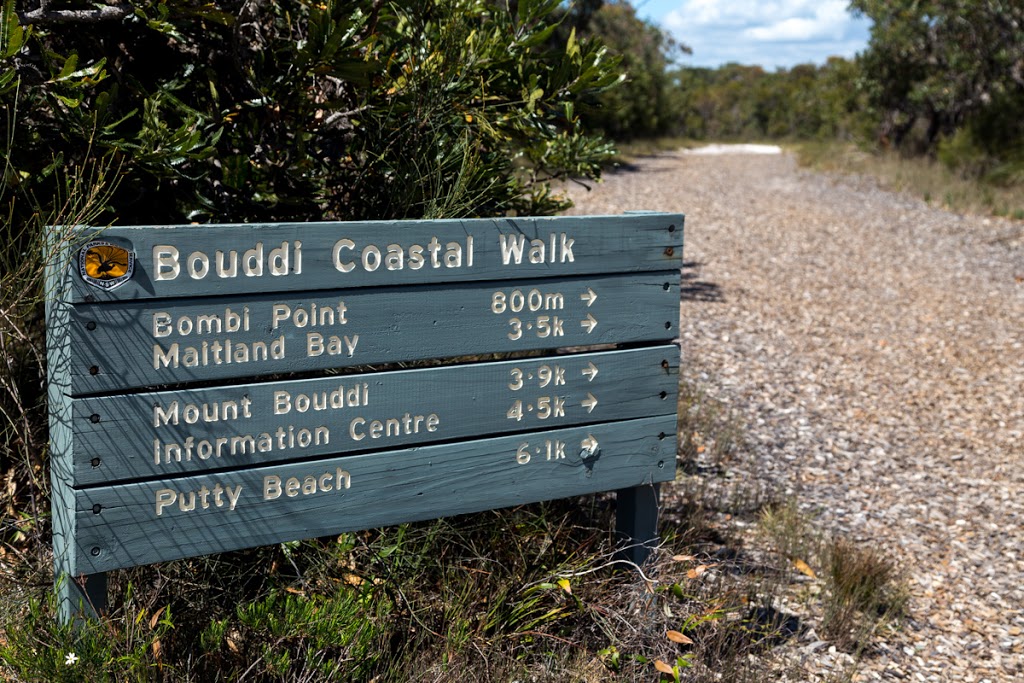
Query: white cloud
x=828, y=21
x=745, y=12
x=772, y=33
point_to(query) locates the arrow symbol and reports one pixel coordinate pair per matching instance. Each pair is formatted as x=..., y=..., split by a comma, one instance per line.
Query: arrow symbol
x=589, y=323
x=590, y=297
x=589, y=403
x=590, y=372
x=589, y=444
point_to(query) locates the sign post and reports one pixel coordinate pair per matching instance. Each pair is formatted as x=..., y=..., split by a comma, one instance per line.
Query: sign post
x=214, y=388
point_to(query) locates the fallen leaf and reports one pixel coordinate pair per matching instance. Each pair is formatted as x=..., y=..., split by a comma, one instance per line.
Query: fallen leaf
x=677, y=637
x=804, y=568
x=294, y=591
x=663, y=667
x=683, y=558
x=156, y=649
x=232, y=641
x=696, y=571
x=564, y=585
x=156, y=617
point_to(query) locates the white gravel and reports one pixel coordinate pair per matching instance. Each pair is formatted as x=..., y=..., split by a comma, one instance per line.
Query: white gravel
x=718, y=150
x=873, y=349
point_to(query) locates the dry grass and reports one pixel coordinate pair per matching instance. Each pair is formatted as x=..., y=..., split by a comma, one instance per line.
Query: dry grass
x=862, y=589
x=922, y=177
x=866, y=591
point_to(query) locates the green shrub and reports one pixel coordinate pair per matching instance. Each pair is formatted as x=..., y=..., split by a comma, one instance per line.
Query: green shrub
x=297, y=110
x=37, y=647
x=174, y=110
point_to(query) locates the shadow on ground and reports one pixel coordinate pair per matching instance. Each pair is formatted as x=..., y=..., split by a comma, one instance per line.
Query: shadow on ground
x=693, y=289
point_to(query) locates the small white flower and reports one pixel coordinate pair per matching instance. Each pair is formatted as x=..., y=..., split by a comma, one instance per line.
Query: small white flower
x=71, y=659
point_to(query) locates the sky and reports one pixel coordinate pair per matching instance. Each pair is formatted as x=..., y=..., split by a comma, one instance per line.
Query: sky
x=772, y=33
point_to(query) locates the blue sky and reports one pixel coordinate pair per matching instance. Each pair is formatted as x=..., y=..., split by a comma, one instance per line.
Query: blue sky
x=772, y=33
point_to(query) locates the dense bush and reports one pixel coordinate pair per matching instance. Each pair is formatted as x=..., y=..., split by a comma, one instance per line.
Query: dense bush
x=168, y=111
x=247, y=110
x=947, y=76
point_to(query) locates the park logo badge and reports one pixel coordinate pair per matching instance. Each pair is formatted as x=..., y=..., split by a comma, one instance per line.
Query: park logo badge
x=105, y=265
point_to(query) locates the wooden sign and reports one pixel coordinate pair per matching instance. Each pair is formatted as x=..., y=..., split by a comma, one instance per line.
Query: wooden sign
x=166, y=519
x=209, y=385
x=216, y=260
x=184, y=340
x=192, y=431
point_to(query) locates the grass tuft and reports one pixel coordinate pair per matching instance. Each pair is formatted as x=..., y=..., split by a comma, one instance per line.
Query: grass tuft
x=791, y=531
x=861, y=588
x=866, y=590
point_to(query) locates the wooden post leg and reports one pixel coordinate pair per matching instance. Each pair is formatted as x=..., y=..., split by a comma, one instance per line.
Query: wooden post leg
x=81, y=598
x=636, y=521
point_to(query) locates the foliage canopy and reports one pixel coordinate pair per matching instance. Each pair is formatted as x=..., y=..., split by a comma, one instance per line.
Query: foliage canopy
x=940, y=62
x=248, y=110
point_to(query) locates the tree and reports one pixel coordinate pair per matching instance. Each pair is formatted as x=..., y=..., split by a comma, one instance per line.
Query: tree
x=641, y=105
x=938, y=63
x=802, y=103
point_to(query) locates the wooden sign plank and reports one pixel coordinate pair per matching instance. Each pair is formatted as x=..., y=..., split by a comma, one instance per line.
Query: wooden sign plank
x=141, y=523
x=206, y=260
x=139, y=436
x=152, y=343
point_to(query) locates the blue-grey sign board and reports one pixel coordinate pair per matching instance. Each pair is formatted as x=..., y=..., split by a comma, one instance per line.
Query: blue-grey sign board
x=213, y=260
x=211, y=387
x=149, y=343
x=162, y=434
x=154, y=521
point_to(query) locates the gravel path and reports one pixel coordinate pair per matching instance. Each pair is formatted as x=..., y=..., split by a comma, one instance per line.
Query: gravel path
x=873, y=349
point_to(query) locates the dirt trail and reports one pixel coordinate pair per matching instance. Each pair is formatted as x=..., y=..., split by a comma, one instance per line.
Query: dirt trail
x=873, y=348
